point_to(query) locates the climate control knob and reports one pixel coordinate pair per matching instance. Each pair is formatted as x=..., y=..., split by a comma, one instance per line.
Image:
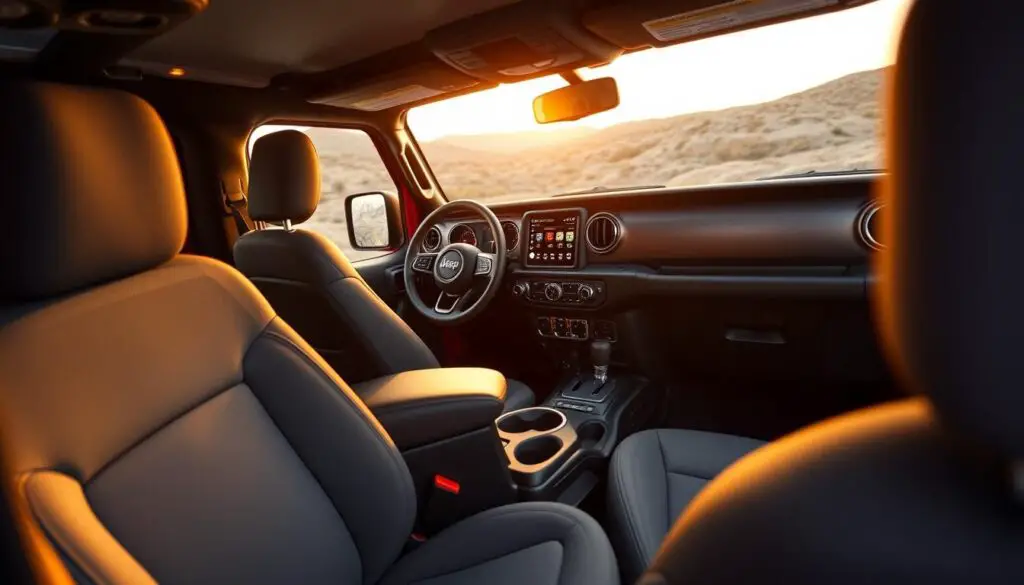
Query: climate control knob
x=586, y=292
x=552, y=291
x=520, y=289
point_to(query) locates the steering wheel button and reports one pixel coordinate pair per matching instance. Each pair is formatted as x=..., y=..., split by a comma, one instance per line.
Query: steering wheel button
x=483, y=265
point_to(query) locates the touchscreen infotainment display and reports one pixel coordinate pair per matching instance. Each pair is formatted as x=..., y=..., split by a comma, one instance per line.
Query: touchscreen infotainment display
x=553, y=239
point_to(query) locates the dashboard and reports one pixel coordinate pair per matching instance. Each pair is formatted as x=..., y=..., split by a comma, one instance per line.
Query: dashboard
x=799, y=227
x=781, y=240
x=741, y=286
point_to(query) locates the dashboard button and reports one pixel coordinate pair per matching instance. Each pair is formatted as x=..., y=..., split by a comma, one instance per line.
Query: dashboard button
x=579, y=328
x=561, y=327
x=544, y=325
x=586, y=293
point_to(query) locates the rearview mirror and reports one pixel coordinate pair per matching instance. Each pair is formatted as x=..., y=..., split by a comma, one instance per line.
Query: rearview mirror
x=576, y=101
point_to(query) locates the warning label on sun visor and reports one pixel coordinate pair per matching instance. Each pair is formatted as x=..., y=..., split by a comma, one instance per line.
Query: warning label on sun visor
x=726, y=16
x=395, y=97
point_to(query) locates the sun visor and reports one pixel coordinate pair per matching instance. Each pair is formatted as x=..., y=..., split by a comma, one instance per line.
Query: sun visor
x=405, y=86
x=637, y=24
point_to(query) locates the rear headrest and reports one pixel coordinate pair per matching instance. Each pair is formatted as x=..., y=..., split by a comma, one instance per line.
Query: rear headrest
x=284, y=178
x=90, y=189
x=952, y=293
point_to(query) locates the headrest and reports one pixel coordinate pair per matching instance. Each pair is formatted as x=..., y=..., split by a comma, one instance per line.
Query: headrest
x=952, y=293
x=284, y=178
x=90, y=189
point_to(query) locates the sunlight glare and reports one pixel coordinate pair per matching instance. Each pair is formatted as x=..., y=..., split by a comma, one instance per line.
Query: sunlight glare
x=742, y=68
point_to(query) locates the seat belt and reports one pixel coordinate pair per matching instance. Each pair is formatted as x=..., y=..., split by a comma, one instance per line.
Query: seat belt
x=236, y=204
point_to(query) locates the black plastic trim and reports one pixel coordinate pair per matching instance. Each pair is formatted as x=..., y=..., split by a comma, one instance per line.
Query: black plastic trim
x=625, y=284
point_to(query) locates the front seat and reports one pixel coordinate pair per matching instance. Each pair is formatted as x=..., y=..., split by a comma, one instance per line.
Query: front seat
x=929, y=489
x=312, y=285
x=166, y=426
x=652, y=477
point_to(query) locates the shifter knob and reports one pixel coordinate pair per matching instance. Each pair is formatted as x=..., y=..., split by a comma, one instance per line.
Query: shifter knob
x=600, y=355
x=600, y=352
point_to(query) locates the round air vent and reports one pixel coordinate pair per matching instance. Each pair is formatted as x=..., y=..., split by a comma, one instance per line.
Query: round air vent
x=432, y=241
x=869, y=226
x=603, y=233
x=511, y=235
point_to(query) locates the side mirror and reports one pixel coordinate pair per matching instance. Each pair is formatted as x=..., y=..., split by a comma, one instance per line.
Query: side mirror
x=576, y=101
x=374, y=221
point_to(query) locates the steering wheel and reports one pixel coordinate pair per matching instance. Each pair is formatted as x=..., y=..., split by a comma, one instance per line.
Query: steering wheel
x=468, y=278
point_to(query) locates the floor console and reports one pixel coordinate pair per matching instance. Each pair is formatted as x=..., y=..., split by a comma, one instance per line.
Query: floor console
x=558, y=451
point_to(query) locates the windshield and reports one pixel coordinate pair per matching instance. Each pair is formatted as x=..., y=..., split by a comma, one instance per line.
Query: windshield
x=787, y=99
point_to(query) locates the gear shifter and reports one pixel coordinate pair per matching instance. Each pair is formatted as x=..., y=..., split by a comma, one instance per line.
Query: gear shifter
x=599, y=387
x=600, y=355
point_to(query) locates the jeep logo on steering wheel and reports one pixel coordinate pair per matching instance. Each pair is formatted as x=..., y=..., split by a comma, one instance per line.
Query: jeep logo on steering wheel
x=449, y=265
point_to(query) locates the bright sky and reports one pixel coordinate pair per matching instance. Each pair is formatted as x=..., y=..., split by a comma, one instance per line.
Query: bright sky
x=721, y=72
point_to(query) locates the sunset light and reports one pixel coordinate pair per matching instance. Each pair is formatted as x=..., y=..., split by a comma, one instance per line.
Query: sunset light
x=742, y=68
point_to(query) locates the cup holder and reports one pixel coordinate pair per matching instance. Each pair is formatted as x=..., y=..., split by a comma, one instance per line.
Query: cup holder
x=537, y=450
x=539, y=419
x=590, y=433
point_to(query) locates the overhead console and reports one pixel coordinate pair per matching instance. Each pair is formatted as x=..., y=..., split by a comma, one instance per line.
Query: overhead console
x=524, y=40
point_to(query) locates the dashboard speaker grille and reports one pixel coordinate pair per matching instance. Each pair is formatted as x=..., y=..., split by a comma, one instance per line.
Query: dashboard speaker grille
x=603, y=233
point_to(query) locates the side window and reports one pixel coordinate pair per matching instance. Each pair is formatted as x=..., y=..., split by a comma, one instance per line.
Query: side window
x=349, y=164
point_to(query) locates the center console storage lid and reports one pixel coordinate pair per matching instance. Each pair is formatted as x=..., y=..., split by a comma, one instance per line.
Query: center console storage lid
x=423, y=406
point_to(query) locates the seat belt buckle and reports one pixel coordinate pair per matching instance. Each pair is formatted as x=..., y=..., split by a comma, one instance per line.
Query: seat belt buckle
x=416, y=540
x=443, y=506
x=447, y=484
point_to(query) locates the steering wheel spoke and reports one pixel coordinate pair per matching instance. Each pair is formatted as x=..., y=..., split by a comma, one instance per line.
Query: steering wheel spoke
x=447, y=304
x=424, y=263
x=485, y=264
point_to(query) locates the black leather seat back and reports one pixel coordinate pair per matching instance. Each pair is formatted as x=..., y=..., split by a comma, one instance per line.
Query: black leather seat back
x=166, y=424
x=285, y=267
x=929, y=490
x=306, y=277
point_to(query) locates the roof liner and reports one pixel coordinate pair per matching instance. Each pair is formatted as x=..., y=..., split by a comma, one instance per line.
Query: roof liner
x=254, y=40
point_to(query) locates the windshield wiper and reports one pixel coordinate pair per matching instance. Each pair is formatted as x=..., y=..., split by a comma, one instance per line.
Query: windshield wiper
x=600, y=189
x=816, y=173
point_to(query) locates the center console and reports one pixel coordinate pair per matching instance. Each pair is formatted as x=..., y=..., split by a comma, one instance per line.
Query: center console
x=465, y=456
x=558, y=451
x=442, y=420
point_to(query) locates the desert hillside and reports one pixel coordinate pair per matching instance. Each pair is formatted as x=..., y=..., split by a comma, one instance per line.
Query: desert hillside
x=833, y=126
x=836, y=125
